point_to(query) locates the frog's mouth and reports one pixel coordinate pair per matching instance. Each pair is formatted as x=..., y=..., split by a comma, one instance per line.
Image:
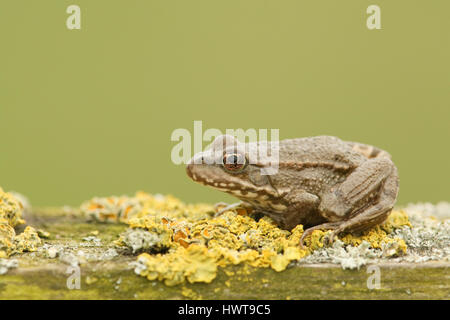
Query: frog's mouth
x=265, y=198
x=212, y=177
x=216, y=178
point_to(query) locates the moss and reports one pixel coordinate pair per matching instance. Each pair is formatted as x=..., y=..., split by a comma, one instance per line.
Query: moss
x=401, y=282
x=80, y=229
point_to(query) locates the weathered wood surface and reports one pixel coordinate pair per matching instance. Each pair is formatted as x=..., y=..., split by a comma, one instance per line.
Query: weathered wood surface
x=38, y=277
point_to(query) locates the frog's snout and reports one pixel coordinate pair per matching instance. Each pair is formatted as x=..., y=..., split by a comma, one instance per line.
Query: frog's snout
x=192, y=164
x=189, y=169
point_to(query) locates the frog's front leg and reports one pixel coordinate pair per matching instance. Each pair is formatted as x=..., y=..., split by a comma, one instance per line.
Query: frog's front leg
x=363, y=200
x=302, y=210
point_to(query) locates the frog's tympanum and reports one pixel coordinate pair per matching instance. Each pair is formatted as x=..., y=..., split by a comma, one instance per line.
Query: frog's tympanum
x=321, y=182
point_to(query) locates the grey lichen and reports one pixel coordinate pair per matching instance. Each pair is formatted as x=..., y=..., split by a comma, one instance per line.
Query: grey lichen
x=349, y=257
x=69, y=258
x=139, y=265
x=440, y=211
x=50, y=251
x=6, y=264
x=83, y=256
x=140, y=240
x=109, y=254
x=91, y=241
x=427, y=239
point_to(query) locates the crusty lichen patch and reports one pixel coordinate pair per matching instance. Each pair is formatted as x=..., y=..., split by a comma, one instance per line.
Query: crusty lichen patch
x=416, y=233
x=107, y=270
x=187, y=242
x=7, y=235
x=428, y=235
x=195, y=264
x=111, y=209
x=11, y=210
x=124, y=208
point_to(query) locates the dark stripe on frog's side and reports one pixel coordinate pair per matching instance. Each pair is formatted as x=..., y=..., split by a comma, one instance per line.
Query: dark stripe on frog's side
x=324, y=164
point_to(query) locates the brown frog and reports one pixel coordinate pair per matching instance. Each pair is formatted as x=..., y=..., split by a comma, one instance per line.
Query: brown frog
x=321, y=182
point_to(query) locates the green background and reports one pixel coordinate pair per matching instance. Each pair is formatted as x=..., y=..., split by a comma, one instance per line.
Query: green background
x=90, y=112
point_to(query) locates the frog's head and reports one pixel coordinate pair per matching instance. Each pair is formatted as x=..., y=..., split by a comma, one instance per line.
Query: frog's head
x=225, y=165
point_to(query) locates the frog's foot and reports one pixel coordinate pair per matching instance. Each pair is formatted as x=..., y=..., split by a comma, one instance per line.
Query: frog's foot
x=222, y=207
x=329, y=238
x=328, y=225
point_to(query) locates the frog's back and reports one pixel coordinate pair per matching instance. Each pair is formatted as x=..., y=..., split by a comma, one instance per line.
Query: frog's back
x=320, y=149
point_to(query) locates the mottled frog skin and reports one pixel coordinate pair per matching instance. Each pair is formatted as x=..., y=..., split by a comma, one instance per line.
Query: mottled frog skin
x=322, y=182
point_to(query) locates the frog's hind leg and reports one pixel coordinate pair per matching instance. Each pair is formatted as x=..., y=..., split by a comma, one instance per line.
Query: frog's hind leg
x=364, y=200
x=368, y=217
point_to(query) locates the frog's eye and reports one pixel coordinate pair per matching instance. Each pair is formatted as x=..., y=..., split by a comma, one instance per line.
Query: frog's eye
x=234, y=162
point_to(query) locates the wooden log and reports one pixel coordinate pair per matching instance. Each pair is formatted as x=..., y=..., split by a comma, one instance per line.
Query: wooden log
x=40, y=277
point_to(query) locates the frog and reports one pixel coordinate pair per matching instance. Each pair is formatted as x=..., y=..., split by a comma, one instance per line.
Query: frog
x=321, y=182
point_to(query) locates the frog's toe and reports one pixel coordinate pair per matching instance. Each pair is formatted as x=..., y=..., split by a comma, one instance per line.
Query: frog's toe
x=306, y=233
x=222, y=207
x=329, y=239
x=309, y=231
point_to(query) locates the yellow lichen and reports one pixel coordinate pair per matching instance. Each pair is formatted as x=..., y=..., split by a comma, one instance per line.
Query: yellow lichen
x=191, y=294
x=7, y=235
x=198, y=242
x=124, y=208
x=397, y=219
x=11, y=216
x=378, y=236
x=90, y=280
x=10, y=209
x=112, y=209
x=195, y=264
x=27, y=241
